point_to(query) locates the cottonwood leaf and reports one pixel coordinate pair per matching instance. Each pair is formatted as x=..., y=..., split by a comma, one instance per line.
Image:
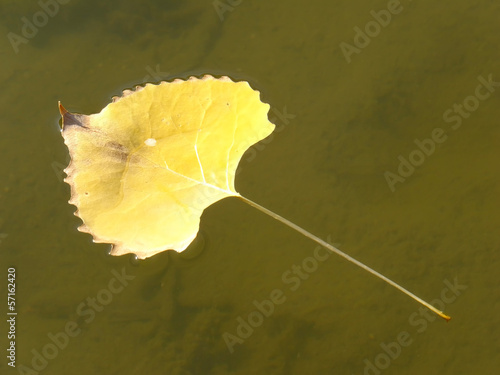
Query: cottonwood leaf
x=143, y=169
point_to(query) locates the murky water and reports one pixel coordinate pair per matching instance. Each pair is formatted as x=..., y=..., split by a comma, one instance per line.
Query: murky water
x=386, y=144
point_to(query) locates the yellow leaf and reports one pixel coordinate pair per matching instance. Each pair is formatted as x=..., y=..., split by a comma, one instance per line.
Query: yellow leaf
x=143, y=169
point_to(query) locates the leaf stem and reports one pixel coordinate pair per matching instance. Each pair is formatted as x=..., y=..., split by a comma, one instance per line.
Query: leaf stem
x=344, y=255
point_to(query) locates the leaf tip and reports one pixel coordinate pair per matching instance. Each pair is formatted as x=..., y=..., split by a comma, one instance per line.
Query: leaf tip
x=62, y=110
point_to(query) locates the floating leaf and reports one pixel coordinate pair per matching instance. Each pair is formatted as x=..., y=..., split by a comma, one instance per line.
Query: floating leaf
x=143, y=169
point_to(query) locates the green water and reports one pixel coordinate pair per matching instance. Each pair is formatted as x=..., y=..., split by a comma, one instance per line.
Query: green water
x=341, y=126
